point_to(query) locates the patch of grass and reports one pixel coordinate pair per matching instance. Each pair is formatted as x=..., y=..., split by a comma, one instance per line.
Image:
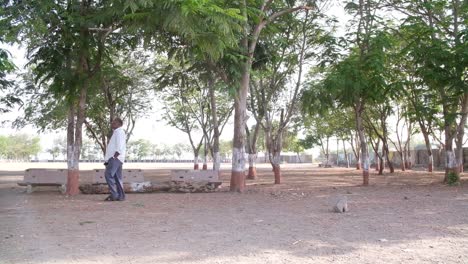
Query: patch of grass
x=86, y=222
x=453, y=179
x=138, y=205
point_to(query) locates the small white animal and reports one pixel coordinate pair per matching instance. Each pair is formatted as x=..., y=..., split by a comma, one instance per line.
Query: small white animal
x=341, y=205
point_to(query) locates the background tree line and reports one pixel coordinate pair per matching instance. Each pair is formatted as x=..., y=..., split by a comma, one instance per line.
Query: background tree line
x=19, y=147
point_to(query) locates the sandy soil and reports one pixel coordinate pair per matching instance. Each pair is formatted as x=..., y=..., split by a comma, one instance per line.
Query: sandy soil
x=408, y=217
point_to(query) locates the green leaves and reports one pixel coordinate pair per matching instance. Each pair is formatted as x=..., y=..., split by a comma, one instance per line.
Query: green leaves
x=8, y=98
x=19, y=147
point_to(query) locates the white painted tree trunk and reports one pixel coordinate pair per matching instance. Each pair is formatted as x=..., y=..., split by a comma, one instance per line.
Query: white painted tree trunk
x=430, y=163
x=451, y=160
x=252, y=166
x=451, y=165
x=403, y=163
x=365, y=164
x=205, y=162
x=238, y=160
x=252, y=159
x=238, y=167
x=195, y=162
x=216, y=162
x=276, y=160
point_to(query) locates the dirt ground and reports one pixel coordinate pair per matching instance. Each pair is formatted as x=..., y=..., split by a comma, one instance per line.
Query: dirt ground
x=408, y=217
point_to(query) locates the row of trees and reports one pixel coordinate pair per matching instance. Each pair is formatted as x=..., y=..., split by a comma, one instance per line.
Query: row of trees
x=136, y=150
x=19, y=147
x=91, y=61
x=143, y=149
x=413, y=68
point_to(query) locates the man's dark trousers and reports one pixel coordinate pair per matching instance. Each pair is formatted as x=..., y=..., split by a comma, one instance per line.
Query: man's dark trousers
x=113, y=176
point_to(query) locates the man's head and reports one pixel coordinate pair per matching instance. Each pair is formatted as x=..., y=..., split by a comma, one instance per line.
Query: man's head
x=116, y=123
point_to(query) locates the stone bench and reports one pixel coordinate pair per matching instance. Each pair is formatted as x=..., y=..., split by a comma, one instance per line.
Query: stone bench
x=44, y=177
x=194, y=175
x=183, y=181
x=58, y=177
x=128, y=176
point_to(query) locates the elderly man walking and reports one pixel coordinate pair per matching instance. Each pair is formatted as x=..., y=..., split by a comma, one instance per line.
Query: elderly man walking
x=115, y=157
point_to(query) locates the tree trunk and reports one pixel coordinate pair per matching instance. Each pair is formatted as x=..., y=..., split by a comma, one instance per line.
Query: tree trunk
x=409, y=159
x=382, y=165
x=327, y=153
x=376, y=156
x=356, y=151
x=377, y=162
x=346, y=155
x=383, y=160
x=275, y=163
x=238, y=150
x=461, y=132
x=252, y=168
x=252, y=150
x=403, y=161
x=430, y=162
x=363, y=141
x=337, y=150
x=451, y=164
x=216, y=162
x=427, y=142
x=72, y=165
x=205, y=154
x=205, y=162
x=389, y=162
x=459, y=157
x=216, y=134
x=298, y=155
x=195, y=162
x=74, y=151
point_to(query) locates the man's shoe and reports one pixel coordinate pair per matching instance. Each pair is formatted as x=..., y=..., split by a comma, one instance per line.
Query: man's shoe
x=109, y=198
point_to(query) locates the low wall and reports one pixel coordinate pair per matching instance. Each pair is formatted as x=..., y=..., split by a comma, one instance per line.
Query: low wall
x=419, y=157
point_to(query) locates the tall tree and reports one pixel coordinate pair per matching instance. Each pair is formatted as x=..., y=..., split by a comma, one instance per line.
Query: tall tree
x=123, y=91
x=66, y=41
x=377, y=122
x=359, y=80
x=186, y=87
x=320, y=128
x=437, y=44
x=257, y=17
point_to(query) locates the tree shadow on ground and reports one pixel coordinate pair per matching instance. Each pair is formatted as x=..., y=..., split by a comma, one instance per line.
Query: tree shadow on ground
x=399, y=217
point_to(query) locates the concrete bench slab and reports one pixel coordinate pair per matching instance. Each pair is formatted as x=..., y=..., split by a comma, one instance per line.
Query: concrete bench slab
x=128, y=176
x=34, y=178
x=44, y=177
x=194, y=175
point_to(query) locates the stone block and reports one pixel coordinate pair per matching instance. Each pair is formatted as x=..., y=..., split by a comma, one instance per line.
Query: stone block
x=194, y=175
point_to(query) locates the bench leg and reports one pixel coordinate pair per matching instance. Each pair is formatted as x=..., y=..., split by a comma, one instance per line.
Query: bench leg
x=63, y=188
x=29, y=189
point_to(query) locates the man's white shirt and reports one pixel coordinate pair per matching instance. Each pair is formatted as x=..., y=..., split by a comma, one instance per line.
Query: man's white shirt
x=116, y=144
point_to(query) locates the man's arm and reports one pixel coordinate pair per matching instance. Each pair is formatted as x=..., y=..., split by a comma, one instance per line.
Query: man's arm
x=120, y=144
